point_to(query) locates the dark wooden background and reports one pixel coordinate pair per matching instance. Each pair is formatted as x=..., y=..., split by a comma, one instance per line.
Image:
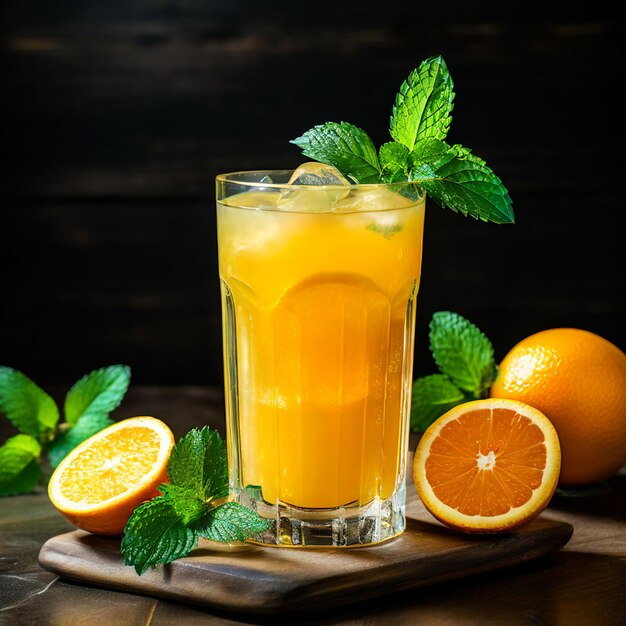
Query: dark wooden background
x=118, y=114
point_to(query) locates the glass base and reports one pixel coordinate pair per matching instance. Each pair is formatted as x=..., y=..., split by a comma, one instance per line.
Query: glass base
x=343, y=527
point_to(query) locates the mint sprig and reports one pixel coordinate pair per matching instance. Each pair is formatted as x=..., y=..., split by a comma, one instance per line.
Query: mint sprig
x=451, y=175
x=19, y=466
x=344, y=146
x=36, y=416
x=193, y=505
x=31, y=410
x=395, y=160
x=68, y=438
x=423, y=104
x=459, y=180
x=462, y=352
x=466, y=362
x=97, y=393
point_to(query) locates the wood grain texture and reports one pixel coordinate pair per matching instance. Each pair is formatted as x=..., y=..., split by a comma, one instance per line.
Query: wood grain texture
x=253, y=579
x=581, y=585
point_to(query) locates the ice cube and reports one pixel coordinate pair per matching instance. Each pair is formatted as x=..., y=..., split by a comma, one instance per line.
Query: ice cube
x=385, y=226
x=306, y=200
x=254, y=199
x=313, y=173
x=332, y=188
x=377, y=206
x=373, y=198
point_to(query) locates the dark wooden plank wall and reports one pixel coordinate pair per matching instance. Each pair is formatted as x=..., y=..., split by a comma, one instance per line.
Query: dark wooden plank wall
x=117, y=115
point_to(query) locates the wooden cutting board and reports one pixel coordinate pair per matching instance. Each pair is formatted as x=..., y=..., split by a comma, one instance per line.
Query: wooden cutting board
x=265, y=580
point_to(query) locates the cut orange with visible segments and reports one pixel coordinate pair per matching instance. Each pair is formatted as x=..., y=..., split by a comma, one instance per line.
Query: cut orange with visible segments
x=99, y=484
x=488, y=465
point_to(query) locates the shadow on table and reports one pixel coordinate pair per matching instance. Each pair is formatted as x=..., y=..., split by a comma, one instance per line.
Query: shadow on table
x=571, y=588
x=567, y=588
x=606, y=499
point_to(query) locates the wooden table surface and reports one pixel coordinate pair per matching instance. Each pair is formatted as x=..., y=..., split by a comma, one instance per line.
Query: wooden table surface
x=584, y=584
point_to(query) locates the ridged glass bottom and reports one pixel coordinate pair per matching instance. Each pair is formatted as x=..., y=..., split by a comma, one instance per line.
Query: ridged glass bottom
x=348, y=526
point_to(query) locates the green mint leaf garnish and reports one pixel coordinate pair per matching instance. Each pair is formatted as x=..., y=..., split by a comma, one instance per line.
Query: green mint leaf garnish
x=432, y=396
x=194, y=504
x=86, y=426
x=423, y=105
x=344, y=146
x=427, y=155
x=87, y=406
x=31, y=410
x=462, y=352
x=186, y=503
x=394, y=160
x=385, y=230
x=97, y=393
x=231, y=521
x=467, y=368
x=34, y=413
x=421, y=116
x=156, y=533
x=455, y=178
x=19, y=465
x=199, y=462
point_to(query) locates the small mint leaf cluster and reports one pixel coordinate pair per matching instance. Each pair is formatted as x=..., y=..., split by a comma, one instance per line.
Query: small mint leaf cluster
x=421, y=116
x=38, y=419
x=194, y=504
x=467, y=367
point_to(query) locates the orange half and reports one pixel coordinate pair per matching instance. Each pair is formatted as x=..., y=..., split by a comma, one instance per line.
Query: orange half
x=103, y=480
x=488, y=465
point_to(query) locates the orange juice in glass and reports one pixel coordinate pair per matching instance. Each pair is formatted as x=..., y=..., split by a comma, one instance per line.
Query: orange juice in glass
x=318, y=300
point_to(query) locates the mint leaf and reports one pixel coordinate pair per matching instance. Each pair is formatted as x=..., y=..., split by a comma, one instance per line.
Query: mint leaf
x=384, y=230
x=160, y=531
x=462, y=352
x=394, y=160
x=199, y=463
x=231, y=521
x=97, y=393
x=428, y=154
x=455, y=178
x=188, y=506
x=87, y=406
x=31, y=410
x=19, y=465
x=432, y=396
x=344, y=146
x=423, y=105
x=86, y=426
x=168, y=527
x=421, y=116
x=155, y=533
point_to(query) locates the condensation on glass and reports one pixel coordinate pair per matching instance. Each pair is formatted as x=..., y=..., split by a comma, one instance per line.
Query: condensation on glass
x=318, y=300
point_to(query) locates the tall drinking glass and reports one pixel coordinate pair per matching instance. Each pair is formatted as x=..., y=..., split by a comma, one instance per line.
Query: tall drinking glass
x=318, y=300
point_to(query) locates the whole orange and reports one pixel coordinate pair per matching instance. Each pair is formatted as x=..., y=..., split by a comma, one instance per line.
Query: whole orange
x=578, y=380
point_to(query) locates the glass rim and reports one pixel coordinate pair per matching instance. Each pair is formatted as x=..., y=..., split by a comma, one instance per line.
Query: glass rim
x=231, y=177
